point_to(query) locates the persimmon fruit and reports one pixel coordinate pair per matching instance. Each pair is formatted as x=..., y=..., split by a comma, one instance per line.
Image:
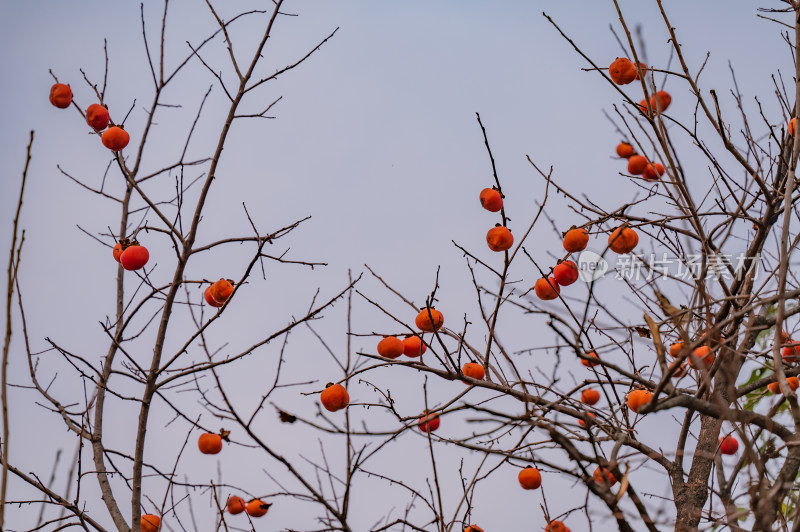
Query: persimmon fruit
x=590, y=396
x=660, y=101
x=530, y=478
x=60, y=95
x=499, y=238
x=546, y=288
x=210, y=299
x=604, y=475
x=209, y=443
x=115, y=138
x=235, y=505
x=473, y=528
x=429, y=422
x=589, y=363
x=623, y=240
x=413, y=346
x=117, y=251
x=637, y=399
x=637, y=164
x=653, y=171
x=150, y=523
x=556, y=526
x=257, y=508
x=728, y=445
x=593, y=417
x=491, y=199
x=702, y=357
x=134, y=257
x=221, y=291
x=675, y=349
x=429, y=320
x=622, y=71
x=576, y=240
x=625, y=150
x=97, y=117
x=790, y=353
x=334, y=397
x=565, y=273
x=473, y=370
x=792, y=126
x=775, y=388
x=390, y=347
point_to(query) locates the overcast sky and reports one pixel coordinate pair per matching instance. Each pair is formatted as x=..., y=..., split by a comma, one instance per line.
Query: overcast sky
x=375, y=137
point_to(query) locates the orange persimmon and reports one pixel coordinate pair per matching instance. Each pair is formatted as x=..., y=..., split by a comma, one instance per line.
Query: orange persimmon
x=530, y=478
x=491, y=199
x=546, y=288
x=576, y=239
x=499, y=238
x=334, y=397
x=390, y=347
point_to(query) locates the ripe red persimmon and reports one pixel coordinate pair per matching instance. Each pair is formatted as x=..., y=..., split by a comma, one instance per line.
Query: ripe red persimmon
x=499, y=238
x=334, y=397
x=728, y=445
x=60, y=95
x=660, y=101
x=623, y=240
x=235, y=505
x=134, y=257
x=590, y=396
x=653, y=171
x=603, y=475
x=576, y=239
x=428, y=423
x=210, y=299
x=117, y=251
x=622, y=71
x=209, y=443
x=591, y=415
x=151, y=523
x=491, y=199
x=625, y=150
x=97, y=117
x=115, y=138
x=556, y=526
x=257, y=508
x=429, y=320
x=637, y=399
x=637, y=164
x=589, y=363
x=390, y=347
x=790, y=353
x=413, y=346
x=565, y=273
x=473, y=370
x=793, y=383
x=221, y=291
x=702, y=357
x=546, y=289
x=530, y=478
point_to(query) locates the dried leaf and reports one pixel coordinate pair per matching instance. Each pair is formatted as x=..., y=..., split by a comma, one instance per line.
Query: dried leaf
x=623, y=485
x=643, y=332
x=286, y=417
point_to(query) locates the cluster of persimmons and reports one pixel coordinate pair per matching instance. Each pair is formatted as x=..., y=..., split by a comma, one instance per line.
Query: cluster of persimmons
x=133, y=256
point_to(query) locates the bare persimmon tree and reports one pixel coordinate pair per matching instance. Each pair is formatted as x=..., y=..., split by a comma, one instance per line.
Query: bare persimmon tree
x=676, y=368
